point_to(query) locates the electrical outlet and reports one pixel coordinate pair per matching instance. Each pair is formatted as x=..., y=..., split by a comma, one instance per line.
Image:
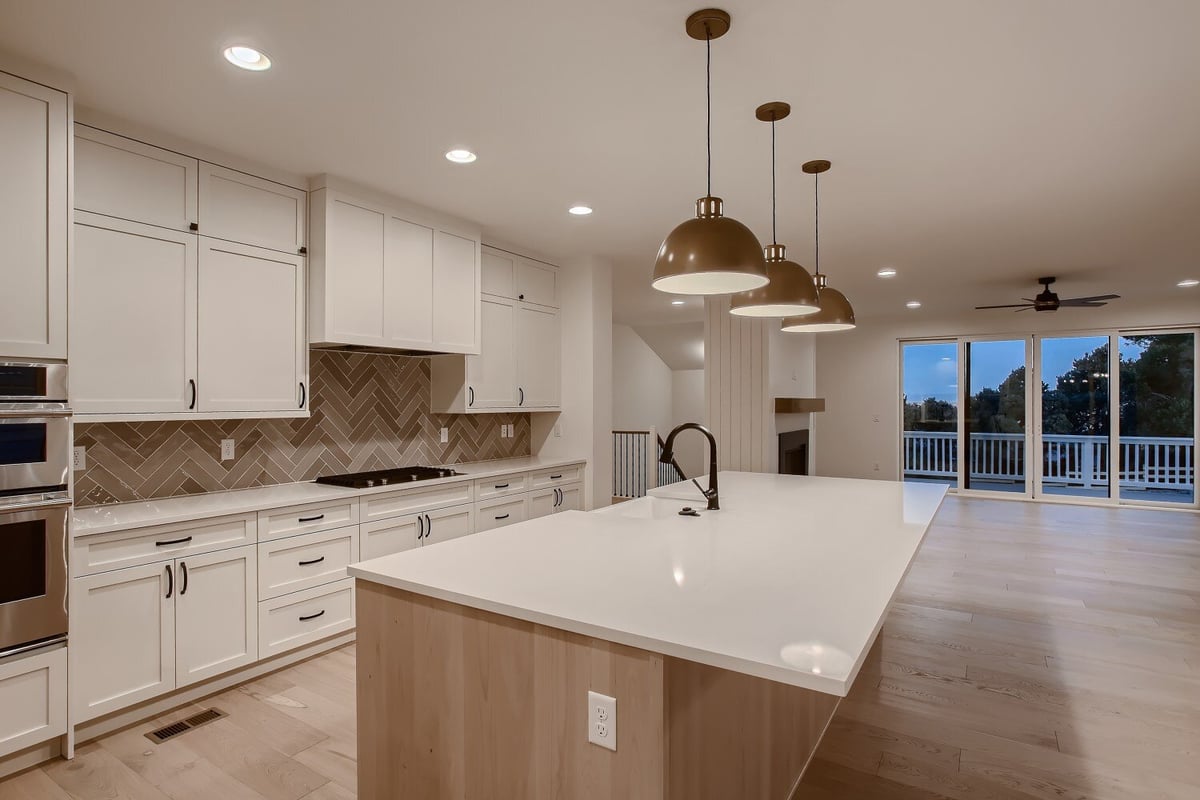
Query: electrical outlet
x=602, y=720
x=444, y=436
x=511, y=432
x=80, y=460
x=503, y=431
x=227, y=450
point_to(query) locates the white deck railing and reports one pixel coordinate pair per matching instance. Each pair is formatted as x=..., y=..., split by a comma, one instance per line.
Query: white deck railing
x=1146, y=462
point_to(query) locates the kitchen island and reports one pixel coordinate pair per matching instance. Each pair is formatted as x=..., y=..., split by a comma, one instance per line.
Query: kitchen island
x=726, y=638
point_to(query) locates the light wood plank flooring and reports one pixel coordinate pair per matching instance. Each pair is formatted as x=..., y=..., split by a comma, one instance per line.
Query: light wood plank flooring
x=1035, y=652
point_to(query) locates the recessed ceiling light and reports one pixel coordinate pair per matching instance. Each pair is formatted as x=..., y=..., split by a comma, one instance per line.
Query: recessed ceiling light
x=676, y=302
x=460, y=156
x=247, y=57
x=1188, y=283
x=580, y=211
x=887, y=272
x=913, y=304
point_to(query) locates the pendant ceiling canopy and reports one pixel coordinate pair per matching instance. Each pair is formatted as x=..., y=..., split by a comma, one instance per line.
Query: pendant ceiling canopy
x=791, y=291
x=836, y=313
x=711, y=254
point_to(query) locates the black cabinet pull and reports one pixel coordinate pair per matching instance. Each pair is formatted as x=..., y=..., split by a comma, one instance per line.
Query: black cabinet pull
x=522, y=400
x=184, y=540
x=420, y=527
x=314, y=561
x=303, y=251
x=503, y=516
x=470, y=395
x=193, y=226
x=303, y=394
x=520, y=297
x=428, y=527
x=170, y=582
x=320, y=613
x=557, y=498
x=311, y=519
x=555, y=477
x=501, y=485
x=192, y=384
x=183, y=567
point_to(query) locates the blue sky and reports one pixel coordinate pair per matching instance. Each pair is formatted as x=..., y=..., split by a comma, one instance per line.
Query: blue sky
x=931, y=370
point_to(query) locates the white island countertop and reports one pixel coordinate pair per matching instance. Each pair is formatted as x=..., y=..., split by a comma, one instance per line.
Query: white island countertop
x=790, y=581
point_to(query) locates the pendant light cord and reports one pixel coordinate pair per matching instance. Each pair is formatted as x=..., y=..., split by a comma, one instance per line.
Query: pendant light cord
x=774, y=237
x=817, y=220
x=708, y=101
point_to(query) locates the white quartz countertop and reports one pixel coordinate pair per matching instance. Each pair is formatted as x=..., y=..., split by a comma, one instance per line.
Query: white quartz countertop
x=121, y=516
x=790, y=581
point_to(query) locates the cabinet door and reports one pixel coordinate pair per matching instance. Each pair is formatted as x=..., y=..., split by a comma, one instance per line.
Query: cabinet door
x=216, y=613
x=351, y=269
x=389, y=536
x=543, y=503
x=241, y=208
x=455, y=294
x=491, y=375
x=129, y=180
x=252, y=349
x=408, y=284
x=498, y=273
x=33, y=219
x=448, y=523
x=538, y=367
x=537, y=283
x=133, y=317
x=570, y=498
x=122, y=638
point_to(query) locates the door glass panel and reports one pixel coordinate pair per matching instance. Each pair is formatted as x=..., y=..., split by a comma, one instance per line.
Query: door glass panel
x=1157, y=448
x=22, y=560
x=995, y=416
x=929, y=402
x=1075, y=416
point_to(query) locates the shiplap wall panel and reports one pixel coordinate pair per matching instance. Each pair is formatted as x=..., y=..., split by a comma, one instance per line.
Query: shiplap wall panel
x=736, y=393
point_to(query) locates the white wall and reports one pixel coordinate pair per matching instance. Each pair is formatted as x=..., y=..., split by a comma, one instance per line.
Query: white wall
x=793, y=364
x=585, y=423
x=687, y=405
x=641, y=386
x=858, y=374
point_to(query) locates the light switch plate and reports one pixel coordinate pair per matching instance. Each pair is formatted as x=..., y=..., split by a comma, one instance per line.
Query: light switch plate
x=557, y=430
x=80, y=459
x=444, y=436
x=602, y=720
x=227, y=451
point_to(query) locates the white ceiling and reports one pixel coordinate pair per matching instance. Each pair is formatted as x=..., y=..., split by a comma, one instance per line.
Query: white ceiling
x=976, y=145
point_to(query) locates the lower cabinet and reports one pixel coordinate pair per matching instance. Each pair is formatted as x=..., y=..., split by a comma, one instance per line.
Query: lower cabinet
x=501, y=512
x=33, y=694
x=142, y=631
x=398, y=534
x=544, y=502
x=307, y=616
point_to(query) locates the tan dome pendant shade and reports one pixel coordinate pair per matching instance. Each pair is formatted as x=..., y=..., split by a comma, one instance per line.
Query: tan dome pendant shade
x=836, y=313
x=791, y=292
x=711, y=254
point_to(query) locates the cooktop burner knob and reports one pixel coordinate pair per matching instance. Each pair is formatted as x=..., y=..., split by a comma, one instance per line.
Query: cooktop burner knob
x=370, y=482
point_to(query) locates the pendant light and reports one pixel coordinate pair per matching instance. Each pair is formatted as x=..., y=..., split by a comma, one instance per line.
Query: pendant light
x=836, y=313
x=791, y=292
x=711, y=254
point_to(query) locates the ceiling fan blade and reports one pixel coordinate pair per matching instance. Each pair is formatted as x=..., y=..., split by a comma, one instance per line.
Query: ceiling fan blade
x=1013, y=305
x=1026, y=308
x=1093, y=299
x=1082, y=303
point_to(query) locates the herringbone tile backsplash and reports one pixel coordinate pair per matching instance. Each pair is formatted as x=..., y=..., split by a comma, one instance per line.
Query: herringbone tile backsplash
x=368, y=412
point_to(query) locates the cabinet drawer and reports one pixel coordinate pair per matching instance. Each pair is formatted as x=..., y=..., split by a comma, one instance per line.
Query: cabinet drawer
x=304, y=561
x=288, y=622
x=33, y=694
x=411, y=501
x=556, y=477
x=499, y=513
x=499, y=487
x=108, y=551
x=307, y=518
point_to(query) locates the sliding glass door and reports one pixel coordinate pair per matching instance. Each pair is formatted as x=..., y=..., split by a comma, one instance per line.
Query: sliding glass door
x=1075, y=415
x=929, y=412
x=995, y=409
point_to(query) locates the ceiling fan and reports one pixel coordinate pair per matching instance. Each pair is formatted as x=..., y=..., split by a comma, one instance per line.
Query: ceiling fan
x=1047, y=300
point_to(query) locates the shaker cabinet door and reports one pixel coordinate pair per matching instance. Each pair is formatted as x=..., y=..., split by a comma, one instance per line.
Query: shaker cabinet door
x=492, y=375
x=133, y=317
x=455, y=294
x=242, y=208
x=216, y=613
x=130, y=180
x=538, y=354
x=408, y=316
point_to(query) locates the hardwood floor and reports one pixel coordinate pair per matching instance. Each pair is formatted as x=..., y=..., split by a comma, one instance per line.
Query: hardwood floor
x=1035, y=652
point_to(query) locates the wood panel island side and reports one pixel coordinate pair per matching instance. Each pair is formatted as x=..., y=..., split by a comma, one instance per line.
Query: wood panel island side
x=727, y=640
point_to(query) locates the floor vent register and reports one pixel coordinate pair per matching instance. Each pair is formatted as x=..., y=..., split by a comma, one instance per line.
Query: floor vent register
x=184, y=725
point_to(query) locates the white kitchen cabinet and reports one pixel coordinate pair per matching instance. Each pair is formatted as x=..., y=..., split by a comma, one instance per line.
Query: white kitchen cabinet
x=239, y=207
x=252, y=350
x=300, y=618
x=216, y=613
x=415, y=530
x=537, y=283
x=34, y=215
x=501, y=512
x=133, y=317
x=516, y=277
x=498, y=272
x=305, y=561
x=391, y=276
x=570, y=498
x=538, y=345
x=122, y=638
x=544, y=502
x=33, y=694
x=130, y=180
x=491, y=376
x=445, y=524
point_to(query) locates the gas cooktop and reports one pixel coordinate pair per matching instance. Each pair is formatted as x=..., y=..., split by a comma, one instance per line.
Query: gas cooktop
x=386, y=477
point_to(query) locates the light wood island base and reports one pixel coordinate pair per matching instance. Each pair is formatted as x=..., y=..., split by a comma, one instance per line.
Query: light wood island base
x=454, y=702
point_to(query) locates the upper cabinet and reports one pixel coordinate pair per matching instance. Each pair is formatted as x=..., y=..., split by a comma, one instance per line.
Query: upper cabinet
x=34, y=213
x=390, y=276
x=519, y=366
x=188, y=290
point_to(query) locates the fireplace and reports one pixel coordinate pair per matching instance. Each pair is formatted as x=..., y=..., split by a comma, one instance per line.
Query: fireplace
x=793, y=453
